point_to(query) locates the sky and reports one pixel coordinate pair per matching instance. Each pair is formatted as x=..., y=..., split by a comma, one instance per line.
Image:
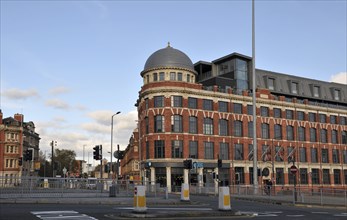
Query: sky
x=68, y=66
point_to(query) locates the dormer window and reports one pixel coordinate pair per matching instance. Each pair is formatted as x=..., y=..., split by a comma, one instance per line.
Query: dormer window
x=294, y=87
x=316, y=91
x=271, y=83
x=337, y=94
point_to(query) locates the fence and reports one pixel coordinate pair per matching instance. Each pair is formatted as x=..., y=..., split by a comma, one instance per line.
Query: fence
x=302, y=195
x=39, y=187
x=36, y=187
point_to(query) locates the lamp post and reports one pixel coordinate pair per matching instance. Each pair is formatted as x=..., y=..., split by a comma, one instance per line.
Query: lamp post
x=111, y=170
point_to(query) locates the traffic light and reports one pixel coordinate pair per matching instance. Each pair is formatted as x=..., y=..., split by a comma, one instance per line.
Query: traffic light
x=220, y=163
x=20, y=161
x=121, y=155
x=107, y=168
x=28, y=155
x=188, y=164
x=96, y=152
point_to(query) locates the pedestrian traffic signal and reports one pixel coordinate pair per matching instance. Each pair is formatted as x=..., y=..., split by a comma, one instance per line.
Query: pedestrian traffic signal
x=96, y=153
x=220, y=163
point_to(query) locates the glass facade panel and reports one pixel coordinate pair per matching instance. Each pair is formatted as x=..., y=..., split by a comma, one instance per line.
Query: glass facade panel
x=312, y=117
x=176, y=101
x=224, y=151
x=264, y=111
x=334, y=138
x=265, y=132
x=315, y=176
x=313, y=133
x=301, y=115
x=238, y=130
x=159, y=124
x=303, y=176
x=301, y=133
x=314, y=155
x=193, y=125
x=250, y=129
x=238, y=153
x=193, y=149
x=209, y=151
x=158, y=101
x=237, y=108
x=177, y=149
x=289, y=114
x=192, y=103
x=336, y=156
x=159, y=149
x=208, y=104
x=278, y=132
x=277, y=113
x=303, y=154
x=326, y=176
x=323, y=135
x=325, y=156
x=223, y=127
x=176, y=123
x=223, y=106
x=290, y=133
x=337, y=176
x=208, y=126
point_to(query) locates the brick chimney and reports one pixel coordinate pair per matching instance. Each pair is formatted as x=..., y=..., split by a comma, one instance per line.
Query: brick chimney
x=1, y=117
x=19, y=117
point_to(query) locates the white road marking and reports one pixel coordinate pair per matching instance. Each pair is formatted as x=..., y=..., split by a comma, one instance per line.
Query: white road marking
x=53, y=212
x=69, y=214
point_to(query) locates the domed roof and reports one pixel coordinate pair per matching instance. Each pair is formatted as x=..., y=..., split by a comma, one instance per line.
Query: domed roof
x=169, y=57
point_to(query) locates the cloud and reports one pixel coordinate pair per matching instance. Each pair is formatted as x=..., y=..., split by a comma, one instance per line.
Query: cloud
x=101, y=116
x=57, y=103
x=59, y=90
x=339, y=78
x=20, y=94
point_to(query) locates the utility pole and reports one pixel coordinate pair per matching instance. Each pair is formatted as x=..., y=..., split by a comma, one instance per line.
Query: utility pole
x=255, y=154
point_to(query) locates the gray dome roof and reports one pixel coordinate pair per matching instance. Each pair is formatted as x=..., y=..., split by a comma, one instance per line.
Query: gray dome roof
x=169, y=57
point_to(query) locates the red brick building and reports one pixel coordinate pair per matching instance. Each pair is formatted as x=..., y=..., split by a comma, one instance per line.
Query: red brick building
x=204, y=112
x=16, y=137
x=130, y=166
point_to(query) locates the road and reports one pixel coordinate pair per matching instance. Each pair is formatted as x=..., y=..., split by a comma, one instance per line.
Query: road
x=208, y=203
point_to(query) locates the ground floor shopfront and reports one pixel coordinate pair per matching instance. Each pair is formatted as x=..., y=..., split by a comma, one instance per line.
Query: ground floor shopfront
x=172, y=174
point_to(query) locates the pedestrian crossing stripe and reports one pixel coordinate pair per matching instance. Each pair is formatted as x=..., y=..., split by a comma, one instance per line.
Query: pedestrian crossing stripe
x=62, y=214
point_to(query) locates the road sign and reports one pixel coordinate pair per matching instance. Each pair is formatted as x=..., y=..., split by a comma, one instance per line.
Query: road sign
x=293, y=169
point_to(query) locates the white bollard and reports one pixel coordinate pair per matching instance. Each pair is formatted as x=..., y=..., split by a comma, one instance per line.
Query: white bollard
x=185, y=192
x=224, y=198
x=140, y=199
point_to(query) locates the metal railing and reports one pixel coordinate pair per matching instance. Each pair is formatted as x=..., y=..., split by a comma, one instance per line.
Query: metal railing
x=39, y=187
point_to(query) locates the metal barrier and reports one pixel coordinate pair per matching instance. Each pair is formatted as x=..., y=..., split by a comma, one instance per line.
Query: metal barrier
x=302, y=194
x=46, y=187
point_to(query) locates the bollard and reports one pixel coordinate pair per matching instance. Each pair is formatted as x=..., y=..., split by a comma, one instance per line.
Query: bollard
x=140, y=199
x=166, y=193
x=185, y=192
x=224, y=198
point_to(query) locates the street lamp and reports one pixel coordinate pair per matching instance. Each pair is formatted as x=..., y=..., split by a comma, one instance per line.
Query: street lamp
x=111, y=170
